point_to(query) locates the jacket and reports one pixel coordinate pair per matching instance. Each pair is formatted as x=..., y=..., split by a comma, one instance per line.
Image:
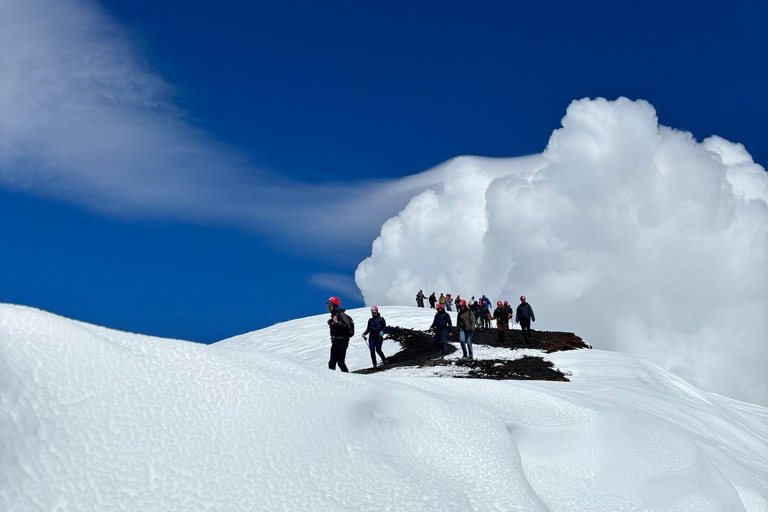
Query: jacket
x=501, y=313
x=524, y=311
x=376, y=327
x=466, y=320
x=341, y=330
x=442, y=321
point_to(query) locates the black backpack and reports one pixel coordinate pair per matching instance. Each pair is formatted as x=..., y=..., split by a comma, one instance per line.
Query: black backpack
x=349, y=321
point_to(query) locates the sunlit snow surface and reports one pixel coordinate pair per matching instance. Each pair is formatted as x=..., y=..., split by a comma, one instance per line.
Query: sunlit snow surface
x=96, y=419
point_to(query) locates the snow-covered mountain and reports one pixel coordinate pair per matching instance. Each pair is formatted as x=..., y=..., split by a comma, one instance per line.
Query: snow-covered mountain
x=97, y=419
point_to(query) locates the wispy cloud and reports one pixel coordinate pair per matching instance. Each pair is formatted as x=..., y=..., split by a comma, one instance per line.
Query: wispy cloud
x=337, y=284
x=84, y=119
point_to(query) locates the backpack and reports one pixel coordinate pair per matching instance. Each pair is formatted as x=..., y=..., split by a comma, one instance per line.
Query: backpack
x=350, y=323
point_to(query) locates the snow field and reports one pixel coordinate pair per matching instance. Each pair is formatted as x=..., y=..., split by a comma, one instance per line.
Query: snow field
x=96, y=419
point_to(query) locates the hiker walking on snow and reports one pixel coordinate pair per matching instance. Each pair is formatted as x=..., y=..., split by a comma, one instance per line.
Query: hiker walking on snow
x=448, y=302
x=420, y=299
x=502, y=321
x=465, y=322
x=509, y=313
x=524, y=316
x=432, y=300
x=440, y=326
x=376, y=327
x=441, y=300
x=342, y=328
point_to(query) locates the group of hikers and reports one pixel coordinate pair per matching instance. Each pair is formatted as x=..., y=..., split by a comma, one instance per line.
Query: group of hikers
x=476, y=316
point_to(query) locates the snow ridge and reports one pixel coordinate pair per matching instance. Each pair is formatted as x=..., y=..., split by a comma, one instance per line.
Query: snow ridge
x=96, y=419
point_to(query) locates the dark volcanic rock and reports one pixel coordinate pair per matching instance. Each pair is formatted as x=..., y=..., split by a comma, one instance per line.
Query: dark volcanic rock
x=548, y=341
x=525, y=368
x=418, y=350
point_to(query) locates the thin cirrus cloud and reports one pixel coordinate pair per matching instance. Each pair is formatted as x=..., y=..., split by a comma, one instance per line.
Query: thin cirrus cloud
x=83, y=119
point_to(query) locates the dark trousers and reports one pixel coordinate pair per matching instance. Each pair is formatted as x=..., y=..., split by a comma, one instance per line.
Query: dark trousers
x=374, y=344
x=338, y=354
x=440, y=339
x=525, y=325
x=501, y=325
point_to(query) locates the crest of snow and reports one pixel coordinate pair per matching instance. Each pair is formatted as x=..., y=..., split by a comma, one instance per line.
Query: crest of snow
x=632, y=234
x=93, y=419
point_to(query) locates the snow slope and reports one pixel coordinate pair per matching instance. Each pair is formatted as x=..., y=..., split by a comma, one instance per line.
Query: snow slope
x=96, y=419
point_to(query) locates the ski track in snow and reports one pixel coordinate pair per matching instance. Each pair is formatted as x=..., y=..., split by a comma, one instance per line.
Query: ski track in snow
x=97, y=419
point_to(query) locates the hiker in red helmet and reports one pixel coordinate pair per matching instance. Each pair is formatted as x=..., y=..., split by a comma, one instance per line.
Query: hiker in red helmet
x=524, y=317
x=440, y=326
x=376, y=327
x=509, y=311
x=342, y=328
x=502, y=321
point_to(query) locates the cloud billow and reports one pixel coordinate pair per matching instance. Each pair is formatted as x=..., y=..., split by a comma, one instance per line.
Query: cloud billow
x=632, y=234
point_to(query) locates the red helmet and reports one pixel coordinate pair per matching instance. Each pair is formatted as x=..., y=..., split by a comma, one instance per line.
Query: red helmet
x=463, y=303
x=506, y=303
x=498, y=303
x=439, y=306
x=374, y=309
x=334, y=301
x=522, y=298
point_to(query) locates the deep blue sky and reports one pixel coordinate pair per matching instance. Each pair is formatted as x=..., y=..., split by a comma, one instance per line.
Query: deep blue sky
x=346, y=90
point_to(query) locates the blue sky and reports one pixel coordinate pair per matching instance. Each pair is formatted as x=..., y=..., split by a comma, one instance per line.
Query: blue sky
x=316, y=96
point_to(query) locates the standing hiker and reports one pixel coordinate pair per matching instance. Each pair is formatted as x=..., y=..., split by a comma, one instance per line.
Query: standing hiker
x=465, y=322
x=448, y=302
x=485, y=316
x=475, y=308
x=440, y=326
x=432, y=300
x=342, y=328
x=441, y=300
x=420, y=299
x=376, y=327
x=509, y=312
x=502, y=321
x=524, y=316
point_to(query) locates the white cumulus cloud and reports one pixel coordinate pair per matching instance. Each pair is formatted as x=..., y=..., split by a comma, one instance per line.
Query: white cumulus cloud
x=632, y=234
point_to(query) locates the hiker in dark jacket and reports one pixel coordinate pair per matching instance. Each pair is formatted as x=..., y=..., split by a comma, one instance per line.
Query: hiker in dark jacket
x=475, y=308
x=524, y=316
x=420, y=299
x=440, y=326
x=465, y=322
x=509, y=313
x=376, y=327
x=342, y=329
x=502, y=321
x=485, y=316
x=432, y=300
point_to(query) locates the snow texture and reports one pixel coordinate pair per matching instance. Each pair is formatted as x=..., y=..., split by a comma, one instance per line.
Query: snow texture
x=630, y=233
x=93, y=419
